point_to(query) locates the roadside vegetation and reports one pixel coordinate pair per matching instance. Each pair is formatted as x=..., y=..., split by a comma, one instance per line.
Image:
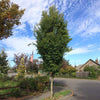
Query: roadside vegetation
x=59, y=95
x=94, y=72
x=52, y=42
x=19, y=85
x=24, y=87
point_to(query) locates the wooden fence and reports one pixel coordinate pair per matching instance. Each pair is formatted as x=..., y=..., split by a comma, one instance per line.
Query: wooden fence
x=82, y=74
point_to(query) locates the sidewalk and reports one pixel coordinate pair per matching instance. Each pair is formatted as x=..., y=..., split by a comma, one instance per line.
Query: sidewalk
x=47, y=94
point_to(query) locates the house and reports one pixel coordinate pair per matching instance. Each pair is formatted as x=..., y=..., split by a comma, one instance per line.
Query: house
x=78, y=67
x=90, y=62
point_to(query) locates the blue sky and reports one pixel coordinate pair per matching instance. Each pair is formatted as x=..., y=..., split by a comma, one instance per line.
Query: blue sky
x=83, y=18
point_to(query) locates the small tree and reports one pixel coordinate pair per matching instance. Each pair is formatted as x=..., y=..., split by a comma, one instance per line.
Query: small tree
x=17, y=59
x=3, y=62
x=52, y=39
x=9, y=16
x=21, y=70
x=31, y=67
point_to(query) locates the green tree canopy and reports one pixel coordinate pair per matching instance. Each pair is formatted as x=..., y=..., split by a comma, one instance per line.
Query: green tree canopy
x=90, y=68
x=9, y=16
x=52, y=39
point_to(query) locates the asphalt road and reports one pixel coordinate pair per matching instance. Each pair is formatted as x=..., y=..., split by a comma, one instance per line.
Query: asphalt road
x=82, y=89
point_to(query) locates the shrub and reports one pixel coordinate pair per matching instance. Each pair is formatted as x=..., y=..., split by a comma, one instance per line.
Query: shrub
x=73, y=74
x=70, y=69
x=62, y=71
x=98, y=72
x=92, y=70
x=92, y=74
x=35, y=84
x=32, y=84
x=24, y=84
x=57, y=74
x=15, y=92
x=28, y=83
x=42, y=82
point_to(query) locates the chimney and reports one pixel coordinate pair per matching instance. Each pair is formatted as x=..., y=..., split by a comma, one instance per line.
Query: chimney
x=97, y=61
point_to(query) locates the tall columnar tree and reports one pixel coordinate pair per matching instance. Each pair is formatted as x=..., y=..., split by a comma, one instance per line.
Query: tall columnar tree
x=52, y=41
x=9, y=16
x=21, y=70
x=3, y=62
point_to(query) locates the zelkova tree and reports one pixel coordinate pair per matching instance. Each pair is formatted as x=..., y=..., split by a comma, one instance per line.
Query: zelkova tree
x=9, y=16
x=52, y=41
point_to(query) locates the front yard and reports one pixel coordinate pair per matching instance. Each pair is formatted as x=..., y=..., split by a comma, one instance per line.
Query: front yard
x=24, y=87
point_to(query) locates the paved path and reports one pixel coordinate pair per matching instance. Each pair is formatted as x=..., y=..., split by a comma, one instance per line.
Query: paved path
x=83, y=89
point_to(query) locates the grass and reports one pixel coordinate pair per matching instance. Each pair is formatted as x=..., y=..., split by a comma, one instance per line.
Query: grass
x=7, y=83
x=59, y=94
x=4, y=91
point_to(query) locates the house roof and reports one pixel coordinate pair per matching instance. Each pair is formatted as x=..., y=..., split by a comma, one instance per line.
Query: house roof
x=88, y=61
x=78, y=67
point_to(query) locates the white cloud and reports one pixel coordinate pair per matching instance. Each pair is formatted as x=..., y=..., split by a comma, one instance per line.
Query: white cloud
x=91, y=31
x=87, y=23
x=33, y=10
x=21, y=26
x=19, y=45
x=98, y=48
x=90, y=45
x=79, y=51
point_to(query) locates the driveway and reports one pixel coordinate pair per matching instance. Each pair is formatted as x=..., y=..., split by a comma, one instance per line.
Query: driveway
x=82, y=89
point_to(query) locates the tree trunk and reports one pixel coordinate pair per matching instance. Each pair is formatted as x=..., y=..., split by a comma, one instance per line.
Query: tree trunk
x=51, y=87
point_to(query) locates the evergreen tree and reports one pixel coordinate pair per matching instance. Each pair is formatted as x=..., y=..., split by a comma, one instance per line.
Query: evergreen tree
x=21, y=70
x=9, y=16
x=52, y=41
x=3, y=62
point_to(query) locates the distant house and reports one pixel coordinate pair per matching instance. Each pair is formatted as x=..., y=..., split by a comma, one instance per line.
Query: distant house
x=78, y=67
x=35, y=61
x=90, y=62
